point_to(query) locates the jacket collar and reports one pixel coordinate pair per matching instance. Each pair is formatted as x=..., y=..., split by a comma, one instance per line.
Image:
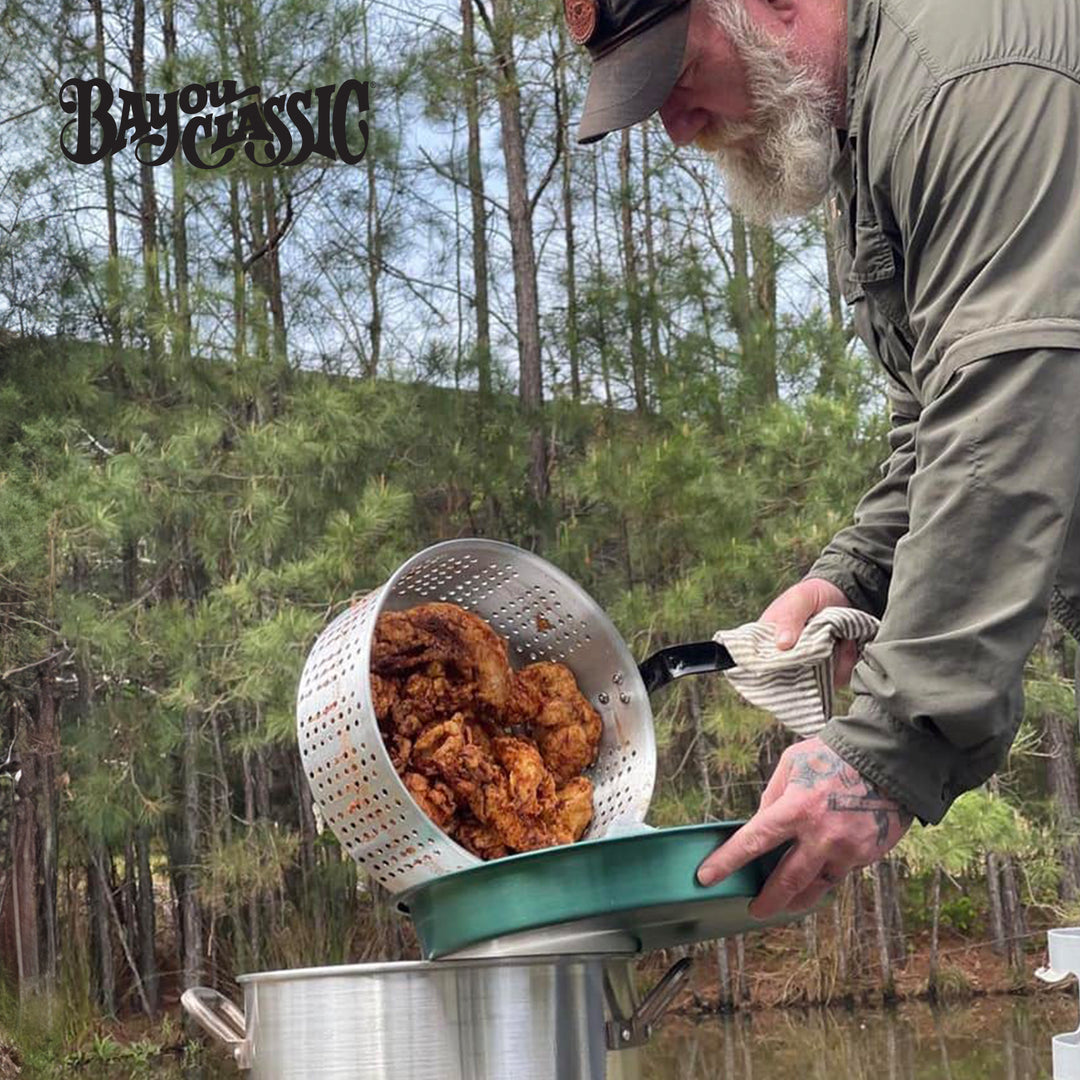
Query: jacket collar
x=863, y=18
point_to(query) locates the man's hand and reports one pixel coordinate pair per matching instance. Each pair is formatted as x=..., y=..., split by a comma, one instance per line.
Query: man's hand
x=837, y=820
x=792, y=609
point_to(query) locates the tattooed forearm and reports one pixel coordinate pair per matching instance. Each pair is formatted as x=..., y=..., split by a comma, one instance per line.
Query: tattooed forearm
x=884, y=810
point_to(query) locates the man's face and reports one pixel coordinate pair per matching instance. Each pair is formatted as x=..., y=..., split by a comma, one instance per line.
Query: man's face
x=764, y=115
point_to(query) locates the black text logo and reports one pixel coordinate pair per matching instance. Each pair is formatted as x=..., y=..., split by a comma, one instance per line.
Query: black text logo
x=180, y=118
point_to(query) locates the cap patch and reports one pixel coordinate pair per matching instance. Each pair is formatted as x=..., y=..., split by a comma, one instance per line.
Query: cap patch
x=581, y=19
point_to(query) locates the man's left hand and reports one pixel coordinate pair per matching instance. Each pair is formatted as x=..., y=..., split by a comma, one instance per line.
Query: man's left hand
x=837, y=819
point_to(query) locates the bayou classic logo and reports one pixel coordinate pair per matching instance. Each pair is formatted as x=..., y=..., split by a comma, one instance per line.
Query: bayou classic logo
x=180, y=118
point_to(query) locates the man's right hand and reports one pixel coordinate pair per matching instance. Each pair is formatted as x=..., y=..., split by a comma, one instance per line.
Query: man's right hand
x=792, y=609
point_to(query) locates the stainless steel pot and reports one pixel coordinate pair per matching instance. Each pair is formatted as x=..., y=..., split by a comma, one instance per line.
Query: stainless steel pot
x=541, y=1018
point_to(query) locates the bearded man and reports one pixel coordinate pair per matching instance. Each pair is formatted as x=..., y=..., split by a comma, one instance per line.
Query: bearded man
x=948, y=134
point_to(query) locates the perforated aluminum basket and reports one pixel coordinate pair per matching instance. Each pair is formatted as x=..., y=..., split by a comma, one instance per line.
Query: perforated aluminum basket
x=544, y=616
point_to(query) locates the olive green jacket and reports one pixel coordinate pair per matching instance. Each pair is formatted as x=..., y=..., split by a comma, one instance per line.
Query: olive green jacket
x=957, y=208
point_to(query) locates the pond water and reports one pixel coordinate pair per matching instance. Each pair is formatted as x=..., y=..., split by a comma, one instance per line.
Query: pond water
x=993, y=1039
x=1005, y=1038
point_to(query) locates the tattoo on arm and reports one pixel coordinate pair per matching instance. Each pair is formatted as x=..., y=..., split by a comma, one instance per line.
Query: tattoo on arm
x=811, y=767
x=873, y=802
x=808, y=769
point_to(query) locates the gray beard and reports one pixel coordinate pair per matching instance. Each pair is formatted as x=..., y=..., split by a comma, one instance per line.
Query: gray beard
x=776, y=162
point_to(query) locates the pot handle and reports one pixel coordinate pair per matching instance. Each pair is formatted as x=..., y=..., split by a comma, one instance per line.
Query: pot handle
x=636, y=1029
x=218, y=1016
x=696, y=658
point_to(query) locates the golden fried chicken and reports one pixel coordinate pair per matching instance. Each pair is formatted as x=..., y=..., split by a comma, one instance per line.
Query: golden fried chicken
x=384, y=695
x=562, y=823
x=573, y=810
x=433, y=797
x=469, y=650
x=482, y=840
x=530, y=787
x=545, y=699
x=456, y=751
x=399, y=747
x=493, y=758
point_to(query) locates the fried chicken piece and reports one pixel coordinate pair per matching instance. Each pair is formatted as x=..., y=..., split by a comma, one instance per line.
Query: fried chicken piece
x=545, y=699
x=530, y=787
x=384, y=695
x=573, y=810
x=481, y=840
x=469, y=650
x=399, y=747
x=431, y=694
x=445, y=696
x=455, y=751
x=433, y=797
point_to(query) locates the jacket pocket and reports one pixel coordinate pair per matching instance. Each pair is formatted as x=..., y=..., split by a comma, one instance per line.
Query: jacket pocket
x=877, y=271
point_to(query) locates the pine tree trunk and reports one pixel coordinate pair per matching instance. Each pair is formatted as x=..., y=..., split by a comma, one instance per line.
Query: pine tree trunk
x=274, y=227
x=306, y=817
x=573, y=342
x=651, y=273
x=476, y=201
x=897, y=942
x=834, y=354
x=374, y=230
x=701, y=749
x=810, y=935
x=148, y=211
x=858, y=923
x=740, y=285
x=1012, y=913
x=189, y=901
x=630, y=276
x=763, y=377
x=935, y=921
x=24, y=872
x=128, y=890
x=530, y=383
x=993, y=889
x=840, y=934
x=113, y=299
x=881, y=922
x=249, y=817
x=601, y=326
x=182, y=338
x=1059, y=733
x=48, y=750
x=99, y=923
x=262, y=806
x=147, y=919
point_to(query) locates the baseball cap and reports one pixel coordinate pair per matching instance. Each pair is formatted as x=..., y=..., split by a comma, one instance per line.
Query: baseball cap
x=637, y=51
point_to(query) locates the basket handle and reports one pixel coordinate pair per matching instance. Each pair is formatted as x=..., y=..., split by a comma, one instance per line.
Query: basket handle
x=218, y=1016
x=695, y=658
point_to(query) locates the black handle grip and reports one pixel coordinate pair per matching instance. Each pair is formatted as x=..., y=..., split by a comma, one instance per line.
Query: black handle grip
x=696, y=658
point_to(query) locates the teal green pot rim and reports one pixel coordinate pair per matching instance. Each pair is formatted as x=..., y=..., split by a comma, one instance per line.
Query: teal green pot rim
x=622, y=875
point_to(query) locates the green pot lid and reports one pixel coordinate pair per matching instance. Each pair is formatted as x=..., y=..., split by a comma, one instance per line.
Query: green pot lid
x=620, y=894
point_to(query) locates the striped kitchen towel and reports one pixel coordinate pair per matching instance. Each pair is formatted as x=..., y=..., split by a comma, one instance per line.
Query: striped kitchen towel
x=796, y=684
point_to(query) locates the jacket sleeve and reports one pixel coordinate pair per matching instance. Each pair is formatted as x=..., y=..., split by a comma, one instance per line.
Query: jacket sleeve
x=859, y=559
x=986, y=191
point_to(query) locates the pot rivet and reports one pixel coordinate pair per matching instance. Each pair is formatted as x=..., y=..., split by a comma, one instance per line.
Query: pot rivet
x=603, y=698
x=617, y=678
x=624, y=697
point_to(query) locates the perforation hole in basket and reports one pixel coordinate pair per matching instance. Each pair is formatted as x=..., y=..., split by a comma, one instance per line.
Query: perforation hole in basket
x=540, y=626
x=464, y=581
